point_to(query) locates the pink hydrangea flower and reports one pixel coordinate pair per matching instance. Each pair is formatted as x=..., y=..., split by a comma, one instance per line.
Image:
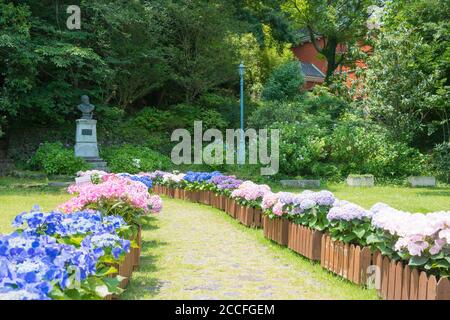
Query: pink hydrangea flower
x=112, y=188
x=278, y=209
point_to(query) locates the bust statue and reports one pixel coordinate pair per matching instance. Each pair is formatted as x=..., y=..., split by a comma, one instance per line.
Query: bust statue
x=86, y=108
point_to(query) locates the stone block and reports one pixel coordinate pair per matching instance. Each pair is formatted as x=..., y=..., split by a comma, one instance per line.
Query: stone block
x=366, y=180
x=301, y=183
x=422, y=181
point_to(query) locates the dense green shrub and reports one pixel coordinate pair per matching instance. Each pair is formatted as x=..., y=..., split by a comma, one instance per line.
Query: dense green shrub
x=53, y=158
x=362, y=147
x=284, y=83
x=134, y=159
x=319, y=107
x=441, y=160
x=276, y=111
x=301, y=146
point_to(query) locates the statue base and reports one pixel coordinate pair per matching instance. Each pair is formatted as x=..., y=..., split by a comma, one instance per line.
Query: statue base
x=86, y=143
x=97, y=164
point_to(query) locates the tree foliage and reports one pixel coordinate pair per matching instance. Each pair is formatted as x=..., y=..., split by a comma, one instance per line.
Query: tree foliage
x=407, y=77
x=341, y=24
x=284, y=83
x=127, y=54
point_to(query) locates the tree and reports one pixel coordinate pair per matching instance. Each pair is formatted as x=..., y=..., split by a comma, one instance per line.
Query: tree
x=199, y=46
x=44, y=66
x=131, y=38
x=256, y=16
x=284, y=83
x=338, y=22
x=407, y=78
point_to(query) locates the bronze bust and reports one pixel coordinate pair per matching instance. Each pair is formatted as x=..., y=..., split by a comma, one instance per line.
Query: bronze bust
x=86, y=108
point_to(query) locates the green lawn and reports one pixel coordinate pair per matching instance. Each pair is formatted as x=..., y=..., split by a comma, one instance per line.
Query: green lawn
x=15, y=199
x=403, y=198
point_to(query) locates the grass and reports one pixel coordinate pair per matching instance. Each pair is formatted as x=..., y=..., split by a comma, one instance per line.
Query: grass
x=18, y=195
x=196, y=252
x=403, y=198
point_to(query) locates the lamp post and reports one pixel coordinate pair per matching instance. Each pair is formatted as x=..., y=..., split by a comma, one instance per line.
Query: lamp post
x=241, y=151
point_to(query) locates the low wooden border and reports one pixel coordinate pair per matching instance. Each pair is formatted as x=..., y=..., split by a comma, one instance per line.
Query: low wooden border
x=124, y=269
x=277, y=230
x=136, y=252
x=305, y=241
x=400, y=282
x=250, y=217
x=348, y=261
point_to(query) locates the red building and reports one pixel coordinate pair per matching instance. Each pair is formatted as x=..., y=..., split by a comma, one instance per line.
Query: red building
x=314, y=66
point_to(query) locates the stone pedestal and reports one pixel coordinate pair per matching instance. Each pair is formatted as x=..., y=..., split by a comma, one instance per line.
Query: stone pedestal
x=86, y=139
x=86, y=143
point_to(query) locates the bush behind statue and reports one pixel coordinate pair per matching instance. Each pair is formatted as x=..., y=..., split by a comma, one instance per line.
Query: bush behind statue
x=54, y=158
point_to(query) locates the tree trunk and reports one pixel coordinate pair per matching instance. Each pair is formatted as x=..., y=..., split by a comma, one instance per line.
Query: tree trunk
x=330, y=54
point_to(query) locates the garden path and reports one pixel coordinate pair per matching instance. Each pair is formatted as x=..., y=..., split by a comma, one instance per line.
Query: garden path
x=193, y=251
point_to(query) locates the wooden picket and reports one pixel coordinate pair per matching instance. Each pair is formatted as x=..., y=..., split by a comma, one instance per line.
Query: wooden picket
x=423, y=286
x=385, y=278
x=322, y=250
x=432, y=288
x=443, y=289
x=135, y=253
x=414, y=286
x=391, y=282
x=398, y=281
x=406, y=282
x=351, y=262
x=346, y=262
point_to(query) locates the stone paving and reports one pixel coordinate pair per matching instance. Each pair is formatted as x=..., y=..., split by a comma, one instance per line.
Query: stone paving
x=196, y=252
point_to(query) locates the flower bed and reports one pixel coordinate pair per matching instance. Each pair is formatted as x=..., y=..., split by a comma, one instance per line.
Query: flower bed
x=346, y=238
x=88, y=250
x=64, y=256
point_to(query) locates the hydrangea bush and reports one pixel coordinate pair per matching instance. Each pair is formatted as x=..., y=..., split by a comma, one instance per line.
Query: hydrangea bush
x=114, y=195
x=224, y=185
x=62, y=256
x=250, y=194
x=307, y=208
x=199, y=180
x=349, y=223
x=421, y=239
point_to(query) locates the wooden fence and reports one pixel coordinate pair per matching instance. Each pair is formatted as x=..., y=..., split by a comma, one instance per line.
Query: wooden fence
x=305, y=241
x=277, y=230
x=400, y=282
x=128, y=265
x=348, y=261
x=250, y=217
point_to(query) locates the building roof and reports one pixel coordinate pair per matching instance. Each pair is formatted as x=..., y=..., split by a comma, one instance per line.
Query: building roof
x=310, y=70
